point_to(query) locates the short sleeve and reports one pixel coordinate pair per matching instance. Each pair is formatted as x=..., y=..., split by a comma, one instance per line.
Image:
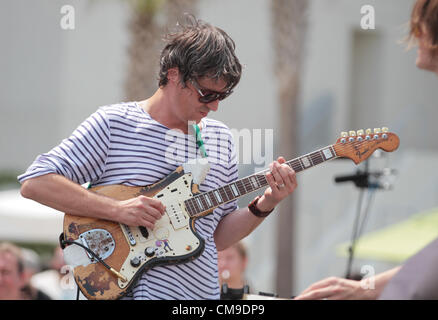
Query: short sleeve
x=81, y=157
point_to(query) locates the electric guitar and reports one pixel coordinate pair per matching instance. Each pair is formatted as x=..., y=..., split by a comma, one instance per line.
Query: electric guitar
x=107, y=257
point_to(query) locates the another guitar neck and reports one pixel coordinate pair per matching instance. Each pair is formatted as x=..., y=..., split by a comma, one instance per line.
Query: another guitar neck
x=205, y=202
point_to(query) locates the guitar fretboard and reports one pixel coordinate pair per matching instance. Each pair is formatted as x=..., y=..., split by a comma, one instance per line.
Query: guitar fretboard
x=205, y=202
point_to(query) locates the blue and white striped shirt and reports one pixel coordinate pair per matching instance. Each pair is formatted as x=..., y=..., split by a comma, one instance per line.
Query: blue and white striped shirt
x=122, y=144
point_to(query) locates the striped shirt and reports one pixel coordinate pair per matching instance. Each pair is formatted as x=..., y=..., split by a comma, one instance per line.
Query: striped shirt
x=122, y=144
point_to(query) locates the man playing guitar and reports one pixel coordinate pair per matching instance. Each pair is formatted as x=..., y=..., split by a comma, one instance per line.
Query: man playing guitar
x=136, y=144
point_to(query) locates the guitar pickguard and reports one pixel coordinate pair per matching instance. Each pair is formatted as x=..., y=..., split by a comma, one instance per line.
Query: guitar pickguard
x=172, y=239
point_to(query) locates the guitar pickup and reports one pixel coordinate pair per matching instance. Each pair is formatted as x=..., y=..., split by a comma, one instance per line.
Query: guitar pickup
x=128, y=234
x=144, y=232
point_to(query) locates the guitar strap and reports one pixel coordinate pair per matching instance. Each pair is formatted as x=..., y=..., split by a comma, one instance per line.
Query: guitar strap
x=199, y=141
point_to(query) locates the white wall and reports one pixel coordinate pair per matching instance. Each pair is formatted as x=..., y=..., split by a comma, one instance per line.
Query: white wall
x=383, y=89
x=52, y=78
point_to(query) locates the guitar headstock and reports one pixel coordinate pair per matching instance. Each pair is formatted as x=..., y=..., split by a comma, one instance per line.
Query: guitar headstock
x=359, y=145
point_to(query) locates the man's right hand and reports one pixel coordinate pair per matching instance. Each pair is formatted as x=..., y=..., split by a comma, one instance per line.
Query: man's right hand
x=140, y=211
x=62, y=194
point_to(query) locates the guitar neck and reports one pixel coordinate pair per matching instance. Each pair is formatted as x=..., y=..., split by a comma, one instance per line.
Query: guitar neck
x=205, y=202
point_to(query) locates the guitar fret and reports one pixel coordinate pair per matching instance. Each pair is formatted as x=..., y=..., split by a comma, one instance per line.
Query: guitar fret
x=296, y=165
x=218, y=197
x=234, y=189
x=310, y=159
x=204, y=201
x=223, y=194
x=262, y=180
x=195, y=206
x=189, y=207
x=247, y=185
x=229, y=192
x=327, y=153
x=207, y=199
x=198, y=202
x=254, y=183
x=305, y=162
x=301, y=165
x=192, y=206
x=213, y=199
x=317, y=158
x=333, y=151
x=241, y=187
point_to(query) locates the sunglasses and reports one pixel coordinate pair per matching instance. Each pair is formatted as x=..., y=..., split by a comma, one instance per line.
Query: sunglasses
x=207, y=96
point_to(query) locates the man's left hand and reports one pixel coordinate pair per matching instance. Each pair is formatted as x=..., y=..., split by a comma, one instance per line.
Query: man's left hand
x=282, y=182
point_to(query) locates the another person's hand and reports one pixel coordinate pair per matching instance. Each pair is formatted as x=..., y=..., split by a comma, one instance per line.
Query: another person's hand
x=335, y=288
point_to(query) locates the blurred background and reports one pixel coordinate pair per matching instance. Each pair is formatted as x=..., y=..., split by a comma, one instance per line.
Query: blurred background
x=310, y=72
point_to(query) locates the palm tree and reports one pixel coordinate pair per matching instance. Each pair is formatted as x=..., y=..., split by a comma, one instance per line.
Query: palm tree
x=288, y=28
x=150, y=19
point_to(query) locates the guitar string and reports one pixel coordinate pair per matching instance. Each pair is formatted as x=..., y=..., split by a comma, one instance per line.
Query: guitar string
x=315, y=156
x=261, y=180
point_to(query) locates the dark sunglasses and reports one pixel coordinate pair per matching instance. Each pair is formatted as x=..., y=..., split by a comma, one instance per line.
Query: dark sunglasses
x=207, y=96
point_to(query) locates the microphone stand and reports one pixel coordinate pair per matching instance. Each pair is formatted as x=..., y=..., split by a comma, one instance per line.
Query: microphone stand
x=361, y=180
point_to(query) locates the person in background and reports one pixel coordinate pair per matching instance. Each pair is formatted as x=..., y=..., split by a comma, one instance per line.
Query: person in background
x=232, y=263
x=57, y=281
x=12, y=278
x=418, y=277
x=31, y=266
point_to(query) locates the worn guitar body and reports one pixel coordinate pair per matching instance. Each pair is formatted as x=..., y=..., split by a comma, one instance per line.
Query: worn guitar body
x=131, y=250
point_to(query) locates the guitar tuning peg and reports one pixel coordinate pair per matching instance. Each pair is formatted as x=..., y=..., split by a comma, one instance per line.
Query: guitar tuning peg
x=352, y=133
x=385, y=129
x=368, y=131
x=344, y=134
x=376, y=130
x=360, y=132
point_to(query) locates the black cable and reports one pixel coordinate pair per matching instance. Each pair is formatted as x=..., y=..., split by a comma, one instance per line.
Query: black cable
x=371, y=192
x=354, y=235
x=359, y=227
x=88, y=250
x=63, y=243
x=77, y=293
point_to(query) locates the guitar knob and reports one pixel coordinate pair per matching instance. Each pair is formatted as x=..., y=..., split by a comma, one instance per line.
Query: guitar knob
x=149, y=252
x=135, y=262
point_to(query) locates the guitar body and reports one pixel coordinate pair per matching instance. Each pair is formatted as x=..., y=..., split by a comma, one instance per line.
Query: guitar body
x=132, y=250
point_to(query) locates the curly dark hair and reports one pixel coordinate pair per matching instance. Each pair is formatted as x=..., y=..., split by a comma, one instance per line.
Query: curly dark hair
x=198, y=50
